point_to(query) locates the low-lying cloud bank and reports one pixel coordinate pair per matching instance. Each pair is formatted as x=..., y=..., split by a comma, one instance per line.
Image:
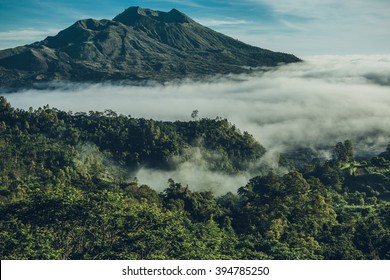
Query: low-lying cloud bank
x=197, y=173
x=313, y=104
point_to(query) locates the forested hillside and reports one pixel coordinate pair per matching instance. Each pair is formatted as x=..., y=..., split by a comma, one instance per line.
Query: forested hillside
x=67, y=191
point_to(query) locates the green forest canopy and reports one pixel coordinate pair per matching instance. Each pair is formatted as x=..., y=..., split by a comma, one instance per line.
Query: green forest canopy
x=60, y=200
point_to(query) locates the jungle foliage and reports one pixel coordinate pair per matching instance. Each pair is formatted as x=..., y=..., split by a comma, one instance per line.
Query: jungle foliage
x=61, y=197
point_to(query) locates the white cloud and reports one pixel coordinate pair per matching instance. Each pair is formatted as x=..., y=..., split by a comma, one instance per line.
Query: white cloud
x=196, y=173
x=314, y=104
x=320, y=102
x=328, y=9
x=13, y=38
x=221, y=22
x=310, y=27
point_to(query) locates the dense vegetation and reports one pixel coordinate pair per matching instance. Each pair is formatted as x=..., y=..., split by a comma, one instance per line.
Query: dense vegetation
x=66, y=192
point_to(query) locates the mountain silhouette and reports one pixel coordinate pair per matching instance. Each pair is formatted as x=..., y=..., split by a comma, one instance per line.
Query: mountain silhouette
x=138, y=44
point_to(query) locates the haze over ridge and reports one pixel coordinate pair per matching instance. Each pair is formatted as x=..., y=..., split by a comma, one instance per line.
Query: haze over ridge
x=329, y=94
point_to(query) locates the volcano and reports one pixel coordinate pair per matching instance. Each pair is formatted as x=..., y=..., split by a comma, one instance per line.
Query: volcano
x=137, y=45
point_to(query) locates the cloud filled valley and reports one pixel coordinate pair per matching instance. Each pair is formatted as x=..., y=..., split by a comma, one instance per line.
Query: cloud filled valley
x=313, y=104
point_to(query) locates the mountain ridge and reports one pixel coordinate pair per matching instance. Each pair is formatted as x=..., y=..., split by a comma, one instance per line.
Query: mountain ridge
x=132, y=14
x=137, y=45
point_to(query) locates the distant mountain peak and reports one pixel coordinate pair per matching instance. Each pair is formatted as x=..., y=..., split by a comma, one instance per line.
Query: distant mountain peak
x=137, y=45
x=133, y=15
x=177, y=16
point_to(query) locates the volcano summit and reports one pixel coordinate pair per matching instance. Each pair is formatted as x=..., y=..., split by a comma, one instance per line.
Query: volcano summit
x=138, y=44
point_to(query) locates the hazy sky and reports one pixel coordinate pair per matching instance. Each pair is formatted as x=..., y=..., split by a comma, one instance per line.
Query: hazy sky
x=302, y=27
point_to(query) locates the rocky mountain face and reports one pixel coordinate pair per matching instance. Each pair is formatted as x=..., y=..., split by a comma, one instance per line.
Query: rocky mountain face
x=138, y=44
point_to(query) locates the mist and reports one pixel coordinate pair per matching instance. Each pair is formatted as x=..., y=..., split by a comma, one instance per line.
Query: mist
x=198, y=173
x=313, y=104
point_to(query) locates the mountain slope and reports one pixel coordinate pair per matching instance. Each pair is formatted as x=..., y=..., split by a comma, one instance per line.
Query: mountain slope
x=138, y=44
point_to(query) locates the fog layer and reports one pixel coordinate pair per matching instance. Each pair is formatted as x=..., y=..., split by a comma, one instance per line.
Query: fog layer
x=321, y=101
x=313, y=104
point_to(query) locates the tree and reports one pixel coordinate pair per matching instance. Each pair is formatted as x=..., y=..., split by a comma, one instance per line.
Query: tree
x=194, y=114
x=343, y=152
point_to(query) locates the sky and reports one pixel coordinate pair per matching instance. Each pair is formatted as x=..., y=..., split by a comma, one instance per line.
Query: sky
x=301, y=27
